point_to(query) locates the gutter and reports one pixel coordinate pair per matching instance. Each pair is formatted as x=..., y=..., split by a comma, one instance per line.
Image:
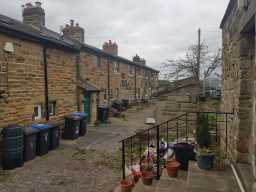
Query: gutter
x=135, y=83
x=46, y=94
x=78, y=61
x=108, y=81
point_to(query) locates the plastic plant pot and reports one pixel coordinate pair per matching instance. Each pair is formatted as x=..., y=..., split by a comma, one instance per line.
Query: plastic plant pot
x=205, y=160
x=172, y=167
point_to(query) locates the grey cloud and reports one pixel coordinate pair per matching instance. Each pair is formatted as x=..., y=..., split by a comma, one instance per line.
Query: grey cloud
x=155, y=29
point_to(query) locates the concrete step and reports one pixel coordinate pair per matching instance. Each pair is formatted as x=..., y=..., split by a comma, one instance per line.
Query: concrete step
x=140, y=187
x=210, y=180
x=169, y=184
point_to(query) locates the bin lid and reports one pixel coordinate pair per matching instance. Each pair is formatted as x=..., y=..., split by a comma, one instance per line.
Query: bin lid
x=30, y=131
x=104, y=106
x=80, y=114
x=73, y=117
x=183, y=147
x=40, y=126
x=12, y=130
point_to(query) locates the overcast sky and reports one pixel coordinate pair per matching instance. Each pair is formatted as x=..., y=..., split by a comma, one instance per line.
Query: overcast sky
x=154, y=29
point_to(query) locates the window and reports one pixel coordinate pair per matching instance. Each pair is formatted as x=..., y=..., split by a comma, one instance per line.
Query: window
x=116, y=67
x=37, y=112
x=3, y=77
x=139, y=71
x=52, y=108
x=117, y=92
x=96, y=60
x=130, y=69
x=110, y=93
x=124, y=84
x=105, y=94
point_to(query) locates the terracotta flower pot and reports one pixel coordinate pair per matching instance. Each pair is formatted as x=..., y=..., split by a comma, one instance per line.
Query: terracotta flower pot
x=126, y=186
x=147, y=178
x=172, y=167
x=136, y=176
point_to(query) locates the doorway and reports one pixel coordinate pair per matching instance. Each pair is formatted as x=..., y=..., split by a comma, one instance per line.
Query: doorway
x=87, y=105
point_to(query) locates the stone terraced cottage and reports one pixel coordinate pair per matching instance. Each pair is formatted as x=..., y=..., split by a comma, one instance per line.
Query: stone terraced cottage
x=239, y=87
x=39, y=66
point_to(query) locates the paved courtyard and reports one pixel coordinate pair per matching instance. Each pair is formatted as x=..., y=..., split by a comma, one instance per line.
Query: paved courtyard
x=91, y=163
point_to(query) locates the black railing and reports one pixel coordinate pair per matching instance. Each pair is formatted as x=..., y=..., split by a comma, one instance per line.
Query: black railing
x=178, y=129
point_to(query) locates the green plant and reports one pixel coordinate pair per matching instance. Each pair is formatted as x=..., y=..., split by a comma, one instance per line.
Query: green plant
x=202, y=132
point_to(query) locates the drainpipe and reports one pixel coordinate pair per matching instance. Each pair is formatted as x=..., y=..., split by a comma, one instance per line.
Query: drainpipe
x=108, y=73
x=239, y=182
x=77, y=78
x=46, y=95
x=135, y=83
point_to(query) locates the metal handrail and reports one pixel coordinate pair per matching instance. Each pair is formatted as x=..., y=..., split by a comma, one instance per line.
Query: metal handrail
x=180, y=128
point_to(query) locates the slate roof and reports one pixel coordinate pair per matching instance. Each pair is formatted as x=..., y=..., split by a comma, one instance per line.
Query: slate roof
x=42, y=34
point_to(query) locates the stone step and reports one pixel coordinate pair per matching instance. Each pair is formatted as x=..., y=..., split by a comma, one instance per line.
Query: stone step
x=210, y=180
x=140, y=187
x=168, y=184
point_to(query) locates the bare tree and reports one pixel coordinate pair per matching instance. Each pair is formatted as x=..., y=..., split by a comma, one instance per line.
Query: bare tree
x=198, y=63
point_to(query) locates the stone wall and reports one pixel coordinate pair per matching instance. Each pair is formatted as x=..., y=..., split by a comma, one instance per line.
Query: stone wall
x=110, y=82
x=26, y=82
x=238, y=79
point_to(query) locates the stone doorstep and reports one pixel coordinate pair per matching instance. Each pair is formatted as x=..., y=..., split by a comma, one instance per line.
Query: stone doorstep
x=210, y=180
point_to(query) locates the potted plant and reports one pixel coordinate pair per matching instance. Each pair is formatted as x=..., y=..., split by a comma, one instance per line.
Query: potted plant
x=172, y=167
x=127, y=185
x=147, y=177
x=205, y=156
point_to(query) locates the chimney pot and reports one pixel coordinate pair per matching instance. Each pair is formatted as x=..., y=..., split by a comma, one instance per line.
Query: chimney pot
x=38, y=4
x=72, y=22
x=28, y=5
x=77, y=24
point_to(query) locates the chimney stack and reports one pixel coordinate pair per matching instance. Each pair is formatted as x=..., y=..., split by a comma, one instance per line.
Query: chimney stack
x=33, y=14
x=74, y=31
x=111, y=48
x=138, y=60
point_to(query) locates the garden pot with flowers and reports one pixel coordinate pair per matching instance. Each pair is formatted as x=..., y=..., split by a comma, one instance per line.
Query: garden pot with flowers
x=172, y=167
x=147, y=177
x=136, y=173
x=127, y=185
x=205, y=155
